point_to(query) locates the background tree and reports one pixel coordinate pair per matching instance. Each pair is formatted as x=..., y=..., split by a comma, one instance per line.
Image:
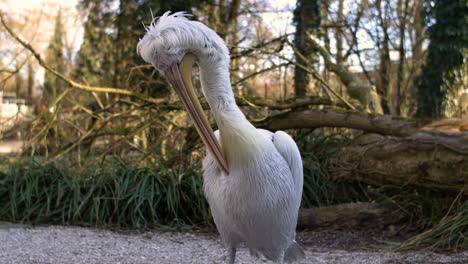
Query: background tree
x=94, y=60
x=55, y=58
x=30, y=88
x=307, y=21
x=402, y=12
x=383, y=11
x=417, y=36
x=442, y=75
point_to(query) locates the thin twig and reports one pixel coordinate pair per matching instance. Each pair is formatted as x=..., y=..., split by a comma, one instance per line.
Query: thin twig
x=260, y=72
x=320, y=79
x=308, y=70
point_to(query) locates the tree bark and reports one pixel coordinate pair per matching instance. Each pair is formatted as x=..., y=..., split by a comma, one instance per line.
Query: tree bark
x=385, y=62
x=403, y=152
x=339, y=34
x=433, y=160
x=306, y=118
x=307, y=20
x=402, y=17
x=418, y=36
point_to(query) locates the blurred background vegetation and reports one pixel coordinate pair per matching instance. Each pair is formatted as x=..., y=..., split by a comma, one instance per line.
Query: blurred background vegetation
x=92, y=135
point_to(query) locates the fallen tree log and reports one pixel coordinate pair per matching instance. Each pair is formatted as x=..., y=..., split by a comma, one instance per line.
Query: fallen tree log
x=308, y=118
x=350, y=215
x=397, y=151
x=436, y=161
x=372, y=123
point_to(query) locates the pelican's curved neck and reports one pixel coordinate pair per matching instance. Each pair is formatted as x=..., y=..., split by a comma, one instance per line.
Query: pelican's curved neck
x=238, y=136
x=216, y=87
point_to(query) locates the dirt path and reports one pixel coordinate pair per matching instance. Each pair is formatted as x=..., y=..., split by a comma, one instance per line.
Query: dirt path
x=74, y=245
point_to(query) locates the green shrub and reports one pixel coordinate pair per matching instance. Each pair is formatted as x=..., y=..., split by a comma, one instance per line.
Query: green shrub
x=319, y=190
x=114, y=194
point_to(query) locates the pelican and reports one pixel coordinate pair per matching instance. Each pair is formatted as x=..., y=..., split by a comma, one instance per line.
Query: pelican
x=252, y=177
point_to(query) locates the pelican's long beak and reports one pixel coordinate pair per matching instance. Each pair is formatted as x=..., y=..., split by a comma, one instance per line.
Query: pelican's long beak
x=180, y=77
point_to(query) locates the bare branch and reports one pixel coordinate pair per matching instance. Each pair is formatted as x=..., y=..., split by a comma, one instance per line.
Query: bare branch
x=355, y=87
x=320, y=79
x=306, y=118
x=260, y=72
x=69, y=81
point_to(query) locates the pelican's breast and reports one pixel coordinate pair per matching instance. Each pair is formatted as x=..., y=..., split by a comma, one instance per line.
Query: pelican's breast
x=254, y=200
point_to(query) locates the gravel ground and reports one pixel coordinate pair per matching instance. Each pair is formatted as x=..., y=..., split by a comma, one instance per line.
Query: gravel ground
x=74, y=245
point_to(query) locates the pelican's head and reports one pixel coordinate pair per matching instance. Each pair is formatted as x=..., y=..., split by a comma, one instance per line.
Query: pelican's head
x=172, y=44
x=171, y=37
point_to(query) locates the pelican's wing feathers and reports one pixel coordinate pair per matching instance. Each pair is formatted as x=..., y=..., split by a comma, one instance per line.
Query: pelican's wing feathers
x=289, y=151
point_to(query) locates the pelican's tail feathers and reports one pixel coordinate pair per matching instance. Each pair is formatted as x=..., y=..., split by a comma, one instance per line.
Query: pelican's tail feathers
x=294, y=253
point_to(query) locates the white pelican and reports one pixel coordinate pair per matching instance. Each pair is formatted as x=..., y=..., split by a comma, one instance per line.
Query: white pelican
x=252, y=177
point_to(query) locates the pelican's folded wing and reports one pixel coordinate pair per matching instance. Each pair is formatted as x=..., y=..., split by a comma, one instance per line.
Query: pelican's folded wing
x=288, y=149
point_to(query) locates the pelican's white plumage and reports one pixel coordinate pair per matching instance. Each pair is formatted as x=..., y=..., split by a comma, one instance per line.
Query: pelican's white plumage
x=257, y=201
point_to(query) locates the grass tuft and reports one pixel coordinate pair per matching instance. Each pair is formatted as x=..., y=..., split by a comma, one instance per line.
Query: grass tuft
x=115, y=194
x=450, y=233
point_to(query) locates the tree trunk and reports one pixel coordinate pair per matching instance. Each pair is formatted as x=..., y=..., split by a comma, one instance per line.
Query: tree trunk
x=339, y=34
x=404, y=152
x=384, y=67
x=418, y=58
x=31, y=93
x=307, y=20
x=18, y=84
x=402, y=17
x=432, y=160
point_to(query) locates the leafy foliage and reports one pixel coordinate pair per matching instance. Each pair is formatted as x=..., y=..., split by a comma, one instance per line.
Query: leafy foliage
x=443, y=72
x=94, y=59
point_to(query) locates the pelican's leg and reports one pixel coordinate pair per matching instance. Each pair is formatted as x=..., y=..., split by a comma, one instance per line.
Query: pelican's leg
x=232, y=255
x=254, y=253
x=281, y=259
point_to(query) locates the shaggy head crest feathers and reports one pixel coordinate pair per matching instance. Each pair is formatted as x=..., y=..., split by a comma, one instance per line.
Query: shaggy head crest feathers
x=169, y=37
